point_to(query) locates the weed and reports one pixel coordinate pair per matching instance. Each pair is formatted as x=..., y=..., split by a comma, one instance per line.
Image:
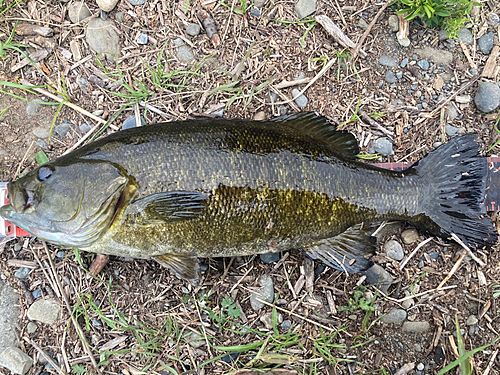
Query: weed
x=498, y=131
x=358, y=302
x=353, y=118
x=41, y=158
x=2, y=112
x=495, y=289
x=368, y=156
x=4, y=46
x=244, y=6
x=79, y=369
x=4, y=6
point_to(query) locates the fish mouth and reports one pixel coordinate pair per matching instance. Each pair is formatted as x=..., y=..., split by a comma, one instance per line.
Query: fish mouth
x=22, y=200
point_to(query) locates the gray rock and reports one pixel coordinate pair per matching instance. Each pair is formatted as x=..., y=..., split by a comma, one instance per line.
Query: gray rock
x=362, y=24
x=487, y=97
x=130, y=123
x=41, y=143
x=442, y=35
x=300, y=100
x=387, y=61
x=32, y=327
x=438, y=56
x=17, y=247
x=272, y=97
x=44, y=310
x=286, y=325
x=383, y=146
x=62, y=129
x=16, y=360
x=493, y=18
x=107, y=5
x=193, y=29
x=305, y=8
x=409, y=236
x=259, y=3
x=255, y=12
x=404, y=42
x=137, y=2
x=32, y=108
x=393, y=23
x=184, y=52
x=22, y=272
x=119, y=16
x=270, y=258
x=195, y=340
x=472, y=320
x=416, y=327
x=9, y=313
x=394, y=250
x=404, y=62
x=465, y=36
x=395, y=316
x=265, y=293
x=377, y=275
x=37, y=293
x=423, y=64
x=420, y=366
x=451, y=111
x=96, y=322
x=267, y=319
x=78, y=11
x=390, y=77
x=142, y=39
x=485, y=43
x=84, y=128
x=102, y=38
x=399, y=75
x=408, y=303
x=41, y=132
x=450, y=130
x=60, y=254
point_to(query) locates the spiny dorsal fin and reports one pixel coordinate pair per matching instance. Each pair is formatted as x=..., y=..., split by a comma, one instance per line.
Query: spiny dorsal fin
x=319, y=128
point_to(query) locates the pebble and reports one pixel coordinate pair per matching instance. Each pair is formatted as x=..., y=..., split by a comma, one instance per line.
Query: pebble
x=195, y=340
x=193, y=29
x=60, y=254
x=383, y=146
x=137, y=2
x=450, y=130
x=319, y=269
x=267, y=319
x=487, y=97
x=416, y=327
x=62, y=130
x=265, y=293
x=130, y=123
x=463, y=99
x=438, y=56
x=270, y=258
x=255, y=12
x=96, y=322
x=260, y=116
x=393, y=23
x=442, y=34
x=394, y=250
x=423, y=64
x=387, y=61
x=305, y=8
x=142, y=39
x=184, y=52
x=408, y=303
x=465, y=36
x=434, y=255
x=399, y=75
x=41, y=143
x=17, y=247
x=16, y=360
x=286, y=325
x=78, y=11
x=472, y=320
x=485, y=43
x=31, y=327
x=395, y=316
x=119, y=16
x=404, y=42
x=37, y=293
x=378, y=275
x=301, y=100
x=107, y=5
x=84, y=128
x=362, y=24
x=493, y=18
x=420, y=366
x=439, y=354
x=32, y=108
x=230, y=357
x=404, y=63
x=409, y=236
x=22, y=272
x=102, y=38
x=390, y=77
x=44, y=310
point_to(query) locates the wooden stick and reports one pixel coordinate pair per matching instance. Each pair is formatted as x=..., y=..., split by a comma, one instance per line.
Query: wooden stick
x=23, y=160
x=420, y=245
x=374, y=123
x=335, y=31
x=45, y=355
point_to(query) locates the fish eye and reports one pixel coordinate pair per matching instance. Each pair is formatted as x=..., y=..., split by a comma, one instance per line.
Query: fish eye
x=44, y=173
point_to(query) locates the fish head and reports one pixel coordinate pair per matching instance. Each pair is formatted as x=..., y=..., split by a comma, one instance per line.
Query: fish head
x=68, y=205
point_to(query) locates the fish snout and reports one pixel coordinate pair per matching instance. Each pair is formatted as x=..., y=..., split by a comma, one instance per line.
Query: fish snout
x=21, y=199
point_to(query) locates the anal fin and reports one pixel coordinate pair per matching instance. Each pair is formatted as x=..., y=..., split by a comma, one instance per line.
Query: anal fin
x=186, y=266
x=346, y=251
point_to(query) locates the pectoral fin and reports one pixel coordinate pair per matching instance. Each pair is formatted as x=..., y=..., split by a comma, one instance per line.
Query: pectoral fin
x=345, y=252
x=168, y=207
x=186, y=266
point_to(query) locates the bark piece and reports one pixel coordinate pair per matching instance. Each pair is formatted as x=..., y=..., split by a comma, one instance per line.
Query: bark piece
x=210, y=27
x=29, y=29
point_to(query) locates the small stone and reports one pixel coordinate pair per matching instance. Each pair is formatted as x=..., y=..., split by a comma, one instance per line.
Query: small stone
x=485, y=43
x=44, y=310
x=142, y=39
x=423, y=64
x=230, y=357
x=300, y=100
x=62, y=130
x=438, y=56
x=16, y=360
x=282, y=110
x=119, y=16
x=107, y=5
x=32, y=108
x=102, y=38
x=465, y=36
x=487, y=97
x=383, y=146
x=450, y=130
x=137, y=2
x=416, y=327
x=463, y=99
x=255, y=12
x=32, y=327
x=84, y=128
x=17, y=247
x=270, y=258
x=60, y=254
x=442, y=35
x=22, y=272
x=387, y=61
x=265, y=293
x=362, y=24
x=404, y=42
x=305, y=8
x=267, y=319
x=409, y=236
x=184, y=52
x=320, y=268
x=493, y=18
x=78, y=11
x=377, y=275
x=408, y=303
x=98, y=112
x=399, y=75
x=194, y=339
x=404, y=63
x=130, y=123
x=451, y=111
x=393, y=23
x=420, y=366
x=395, y=316
x=41, y=143
x=439, y=355
x=96, y=322
x=286, y=325
x=472, y=320
x=434, y=255
x=394, y=250
x=390, y=77
x=37, y=293
x=260, y=116
x=193, y=29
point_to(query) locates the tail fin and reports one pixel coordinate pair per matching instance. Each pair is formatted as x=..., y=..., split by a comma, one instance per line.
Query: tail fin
x=456, y=176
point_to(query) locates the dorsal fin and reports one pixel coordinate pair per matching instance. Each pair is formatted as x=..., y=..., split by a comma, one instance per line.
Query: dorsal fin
x=318, y=127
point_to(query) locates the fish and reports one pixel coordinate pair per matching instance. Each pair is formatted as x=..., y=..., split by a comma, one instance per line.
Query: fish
x=184, y=190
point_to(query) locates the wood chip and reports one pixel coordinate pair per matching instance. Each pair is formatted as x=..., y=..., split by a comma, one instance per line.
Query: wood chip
x=491, y=67
x=335, y=31
x=210, y=27
x=113, y=343
x=30, y=29
x=36, y=56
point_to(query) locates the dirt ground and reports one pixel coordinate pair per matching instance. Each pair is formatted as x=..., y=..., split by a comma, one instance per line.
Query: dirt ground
x=137, y=317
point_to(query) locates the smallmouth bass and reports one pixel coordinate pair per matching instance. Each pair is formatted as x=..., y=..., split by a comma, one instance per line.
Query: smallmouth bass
x=211, y=188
